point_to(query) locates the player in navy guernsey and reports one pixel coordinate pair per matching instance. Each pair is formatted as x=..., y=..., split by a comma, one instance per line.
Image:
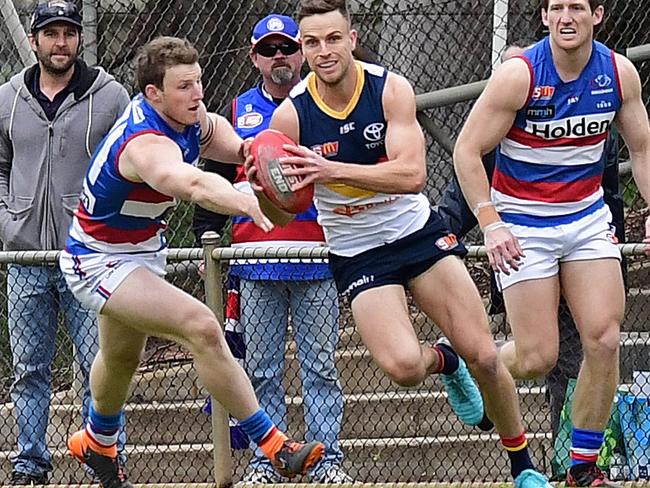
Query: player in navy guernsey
x=114, y=259
x=547, y=229
x=361, y=146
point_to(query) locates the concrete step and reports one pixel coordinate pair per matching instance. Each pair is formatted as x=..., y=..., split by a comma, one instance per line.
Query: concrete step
x=420, y=459
x=391, y=414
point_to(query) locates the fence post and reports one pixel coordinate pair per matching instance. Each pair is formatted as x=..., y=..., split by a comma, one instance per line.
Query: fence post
x=220, y=424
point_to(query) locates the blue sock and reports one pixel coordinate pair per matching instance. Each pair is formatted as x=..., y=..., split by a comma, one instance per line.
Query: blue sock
x=104, y=428
x=257, y=425
x=585, y=445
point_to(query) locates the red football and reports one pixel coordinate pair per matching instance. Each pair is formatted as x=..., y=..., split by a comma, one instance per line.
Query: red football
x=266, y=150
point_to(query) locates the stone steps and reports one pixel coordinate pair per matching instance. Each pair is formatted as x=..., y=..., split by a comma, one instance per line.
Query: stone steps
x=369, y=416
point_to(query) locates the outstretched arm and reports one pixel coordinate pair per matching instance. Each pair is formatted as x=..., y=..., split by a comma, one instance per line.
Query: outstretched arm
x=157, y=161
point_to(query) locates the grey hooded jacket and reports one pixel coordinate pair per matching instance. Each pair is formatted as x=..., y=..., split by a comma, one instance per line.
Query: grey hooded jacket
x=42, y=162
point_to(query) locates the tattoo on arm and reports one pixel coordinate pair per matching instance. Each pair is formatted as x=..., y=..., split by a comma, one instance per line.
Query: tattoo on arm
x=208, y=133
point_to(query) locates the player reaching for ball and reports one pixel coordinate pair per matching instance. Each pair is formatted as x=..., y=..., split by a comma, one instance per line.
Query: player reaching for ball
x=115, y=255
x=362, y=148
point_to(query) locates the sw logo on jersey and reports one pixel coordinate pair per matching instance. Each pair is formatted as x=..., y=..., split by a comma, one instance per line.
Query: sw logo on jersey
x=327, y=149
x=543, y=92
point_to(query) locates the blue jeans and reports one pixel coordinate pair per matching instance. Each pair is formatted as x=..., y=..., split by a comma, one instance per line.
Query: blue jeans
x=265, y=307
x=36, y=294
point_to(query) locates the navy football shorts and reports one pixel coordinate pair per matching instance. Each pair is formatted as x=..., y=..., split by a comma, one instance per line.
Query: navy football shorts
x=398, y=262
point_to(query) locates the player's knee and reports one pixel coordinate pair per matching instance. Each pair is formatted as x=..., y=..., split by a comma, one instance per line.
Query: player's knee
x=484, y=363
x=406, y=371
x=204, y=334
x=604, y=345
x=536, y=365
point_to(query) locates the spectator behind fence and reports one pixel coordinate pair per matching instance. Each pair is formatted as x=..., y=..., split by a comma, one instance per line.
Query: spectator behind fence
x=115, y=255
x=383, y=235
x=547, y=229
x=270, y=293
x=52, y=116
x=460, y=219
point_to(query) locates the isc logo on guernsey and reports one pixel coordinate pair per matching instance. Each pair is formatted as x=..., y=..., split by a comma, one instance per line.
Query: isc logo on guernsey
x=571, y=127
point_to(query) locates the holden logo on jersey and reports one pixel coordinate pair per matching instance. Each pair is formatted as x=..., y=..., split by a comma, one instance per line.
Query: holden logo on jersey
x=544, y=92
x=580, y=126
x=326, y=149
x=249, y=120
x=374, y=134
x=447, y=242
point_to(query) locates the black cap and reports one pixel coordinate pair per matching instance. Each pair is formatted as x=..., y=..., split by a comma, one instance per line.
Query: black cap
x=55, y=11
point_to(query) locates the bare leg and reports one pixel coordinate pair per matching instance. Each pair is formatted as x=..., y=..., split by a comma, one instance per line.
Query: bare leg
x=114, y=364
x=447, y=294
x=151, y=306
x=533, y=353
x=382, y=319
x=598, y=312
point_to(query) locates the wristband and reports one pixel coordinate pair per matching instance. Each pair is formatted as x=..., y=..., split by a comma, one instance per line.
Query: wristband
x=481, y=205
x=486, y=215
x=494, y=226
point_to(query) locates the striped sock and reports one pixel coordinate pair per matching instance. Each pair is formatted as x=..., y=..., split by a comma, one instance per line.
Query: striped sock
x=103, y=429
x=447, y=359
x=517, y=449
x=585, y=445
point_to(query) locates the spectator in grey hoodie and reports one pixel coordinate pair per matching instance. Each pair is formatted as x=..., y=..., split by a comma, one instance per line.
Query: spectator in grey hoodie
x=52, y=116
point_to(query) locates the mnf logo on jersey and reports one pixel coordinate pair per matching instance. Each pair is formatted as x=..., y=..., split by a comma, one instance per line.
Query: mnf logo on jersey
x=579, y=126
x=327, y=149
x=544, y=92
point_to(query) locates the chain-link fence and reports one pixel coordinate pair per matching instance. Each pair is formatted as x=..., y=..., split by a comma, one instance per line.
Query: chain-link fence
x=387, y=433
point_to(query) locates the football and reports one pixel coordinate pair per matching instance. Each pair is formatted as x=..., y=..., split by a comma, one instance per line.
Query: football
x=267, y=149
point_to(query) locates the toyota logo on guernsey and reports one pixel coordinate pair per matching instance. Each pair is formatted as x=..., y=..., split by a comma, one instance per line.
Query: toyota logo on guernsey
x=374, y=134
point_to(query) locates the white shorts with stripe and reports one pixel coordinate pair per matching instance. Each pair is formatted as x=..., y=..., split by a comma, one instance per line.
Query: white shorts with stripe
x=591, y=237
x=93, y=278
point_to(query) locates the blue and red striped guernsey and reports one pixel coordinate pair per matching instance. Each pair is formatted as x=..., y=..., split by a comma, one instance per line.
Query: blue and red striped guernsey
x=116, y=215
x=550, y=164
x=251, y=113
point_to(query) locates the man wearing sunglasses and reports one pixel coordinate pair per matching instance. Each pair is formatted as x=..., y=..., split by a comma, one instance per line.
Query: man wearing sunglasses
x=270, y=293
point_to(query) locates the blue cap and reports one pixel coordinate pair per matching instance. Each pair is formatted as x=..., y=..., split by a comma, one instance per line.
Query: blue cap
x=275, y=24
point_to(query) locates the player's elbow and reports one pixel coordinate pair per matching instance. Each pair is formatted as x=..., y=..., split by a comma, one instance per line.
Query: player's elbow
x=196, y=191
x=415, y=181
x=464, y=157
